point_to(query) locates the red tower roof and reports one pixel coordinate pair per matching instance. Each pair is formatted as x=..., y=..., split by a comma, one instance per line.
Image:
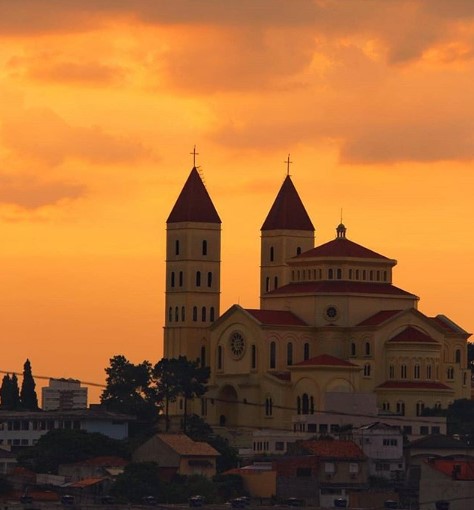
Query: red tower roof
x=342, y=247
x=194, y=203
x=287, y=212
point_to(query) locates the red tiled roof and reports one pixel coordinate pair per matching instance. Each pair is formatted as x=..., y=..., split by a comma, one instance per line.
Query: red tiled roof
x=379, y=318
x=87, y=482
x=184, y=445
x=411, y=334
x=325, y=360
x=342, y=247
x=276, y=317
x=464, y=469
x=194, y=203
x=343, y=287
x=447, y=324
x=334, y=449
x=288, y=212
x=416, y=385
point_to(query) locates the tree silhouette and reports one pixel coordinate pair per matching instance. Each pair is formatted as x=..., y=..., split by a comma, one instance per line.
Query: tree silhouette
x=29, y=400
x=6, y=392
x=15, y=392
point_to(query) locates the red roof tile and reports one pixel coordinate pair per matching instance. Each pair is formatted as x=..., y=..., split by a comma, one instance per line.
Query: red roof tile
x=416, y=385
x=276, y=317
x=288, y=212
x=325, y=360
x=464, y=469
x=411, y=334
x=342, y=247
x=194, y=203
x=334, y=449
x=184, y=445
x=342, y=287
x=379, y=318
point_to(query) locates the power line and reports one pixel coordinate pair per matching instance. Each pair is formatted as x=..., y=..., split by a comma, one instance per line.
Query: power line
x=47, y=377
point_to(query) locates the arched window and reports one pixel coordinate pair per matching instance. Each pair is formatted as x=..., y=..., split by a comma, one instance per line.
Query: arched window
x=203, y=356
x=305, y=404
x=272, y=354
x=298, y=250
x=183, y=314
x=276, y=282
x=339, y=274
x=306, y=351
x=386, y=406
x=403, y=371
x=198, y=278
x=298, y=405
x=357, y=274
x=172, y=279
x=195, y=313
x=170, y=314
x=353, y=349
x=385, y=276
x=419, y=408
x=176, y=247
x=267, y=284
x=364, y=275
x=378, y=276
x=428, y=371
x=204, y=247
x=367, y=370
x=391, y=372
x=367, y=348
x=181, y=278
x=458, y=356
x=401, y=408
x=176, y=314
x=371, y=277
x=450, y=373
x=289, y=354
x=330, y=274
x=203, y=314
x=219, y=357
x=209, y=279
x=311, y=405
x=272, y=254
x=416, y=371
x=211, y=314
x=268, y=406
x=350, y=274
x=253, y=356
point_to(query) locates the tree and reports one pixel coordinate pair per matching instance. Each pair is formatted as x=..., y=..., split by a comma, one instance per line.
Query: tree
x=6, y=392
x=14, y=392
x=129, y=389
x=138, y=480
x=29, y=400
x=64, y=446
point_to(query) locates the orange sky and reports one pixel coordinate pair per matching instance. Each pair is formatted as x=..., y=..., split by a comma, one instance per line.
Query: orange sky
x=101, y=102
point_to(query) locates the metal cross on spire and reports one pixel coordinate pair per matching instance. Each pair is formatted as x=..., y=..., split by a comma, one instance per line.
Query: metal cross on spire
x=288, y=163
x=194, y=154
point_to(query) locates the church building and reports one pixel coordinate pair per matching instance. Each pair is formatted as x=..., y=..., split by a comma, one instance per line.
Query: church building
x=330, y=321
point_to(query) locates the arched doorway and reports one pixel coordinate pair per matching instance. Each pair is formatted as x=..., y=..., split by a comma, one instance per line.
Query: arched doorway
x=227, y=406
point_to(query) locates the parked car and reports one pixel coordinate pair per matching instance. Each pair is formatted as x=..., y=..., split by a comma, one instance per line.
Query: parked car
x=238, y=503
x=295, y=502
x=197, y=500
x=340, y=503
x=107, y=500
x=26, y=500
x=149, y=500
x=67, y=500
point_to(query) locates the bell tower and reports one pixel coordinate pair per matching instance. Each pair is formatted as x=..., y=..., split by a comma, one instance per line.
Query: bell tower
x=193, y=252
x=286, y=232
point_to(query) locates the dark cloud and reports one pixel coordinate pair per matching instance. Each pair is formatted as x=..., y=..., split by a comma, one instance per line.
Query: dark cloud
x=29, y=192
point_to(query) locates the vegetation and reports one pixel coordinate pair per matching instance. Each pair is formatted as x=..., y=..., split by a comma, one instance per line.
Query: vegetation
x=11, y=397
x=28, y=398
x=64, y=446
x=460, y=419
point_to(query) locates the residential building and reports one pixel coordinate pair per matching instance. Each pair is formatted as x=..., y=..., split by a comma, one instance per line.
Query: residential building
x=63, y=394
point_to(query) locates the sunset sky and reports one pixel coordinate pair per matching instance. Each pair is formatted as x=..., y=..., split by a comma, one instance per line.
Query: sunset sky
x=102, y=101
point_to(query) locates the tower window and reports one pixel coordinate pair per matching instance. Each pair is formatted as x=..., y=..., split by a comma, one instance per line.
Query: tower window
x=378, y=276
x=385, y=276
x=195, y=313
x=267, y=284
x=289, y=354
x=272, y=355
x=276, y=282
x=298, y=250
x=458, y=356
x=272, y=254
x=203, y=356
x=176, y=314
x=176, y=247
x=170, y=314
x=211, y=314
x=183, y=314
x=306, y=351
x=268, y=406
x=371, y=275
x=219, y=357
x=203, y=314
x=367, y=370
x=353, y=349
x=209, y=279
x=172, y=279
x=204, y=247
x=181, y=278
x=305, y=404
x=198, y=278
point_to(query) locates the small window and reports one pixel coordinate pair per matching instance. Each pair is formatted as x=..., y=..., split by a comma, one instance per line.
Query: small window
x=289, y=354
x=276, y=282
x=367, y=370
x=176, y=314
x=172, y=279
x=419, y=408
x=253, y=361
x=330, y=274
x=181, y=278
x=353, y=349
x=204, y=247
x=272, y=254
x=267, y=284
x=371, y=277
x=458, y=355
x=385, y=276
x=298, y=250
x=329, y=467
x=219, y=357
x=198, y=278
x=357, y=274
x=209, y=279
x=176, y=247
x=195, y=314
x=428, y=371
x=401, y=408
x=170, y=314
x=306, y=351
x=212, y=314
x=350, y=274
x=403, y=371
x=203, y=314
x=391, y=372
x=203, y=356
x=183, y=313
x=272, y=355
x=424, y=430
x=339, y=274
x=416, y=372
x=364, y=275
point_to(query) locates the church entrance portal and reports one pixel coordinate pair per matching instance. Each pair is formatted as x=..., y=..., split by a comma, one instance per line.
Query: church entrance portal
x=227, y=403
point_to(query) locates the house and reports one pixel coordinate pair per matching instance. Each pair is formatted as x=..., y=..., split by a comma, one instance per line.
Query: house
x=446, y=479
x=178, y=454
x=383, y=446
x=7, y=461
x=259, y=479
x=96, y=467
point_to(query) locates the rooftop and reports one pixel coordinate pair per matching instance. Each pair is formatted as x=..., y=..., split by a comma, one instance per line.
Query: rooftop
x=184, y=445
x=276, y=317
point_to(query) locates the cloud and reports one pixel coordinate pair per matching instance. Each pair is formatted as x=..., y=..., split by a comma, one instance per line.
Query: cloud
x=29, y=192
x=55, y=68
x=41, y=134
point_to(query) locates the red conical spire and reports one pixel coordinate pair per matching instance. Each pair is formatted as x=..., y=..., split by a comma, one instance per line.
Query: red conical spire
x=194, y=203
x=288, y=212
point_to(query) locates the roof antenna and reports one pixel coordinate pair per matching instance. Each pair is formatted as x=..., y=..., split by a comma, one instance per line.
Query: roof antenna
x=288, y=163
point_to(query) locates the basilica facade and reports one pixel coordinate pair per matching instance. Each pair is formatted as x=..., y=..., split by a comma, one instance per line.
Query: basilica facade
x=330, y=321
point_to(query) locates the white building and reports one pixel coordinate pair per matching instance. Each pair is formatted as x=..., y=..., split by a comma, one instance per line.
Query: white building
x=63, y=394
